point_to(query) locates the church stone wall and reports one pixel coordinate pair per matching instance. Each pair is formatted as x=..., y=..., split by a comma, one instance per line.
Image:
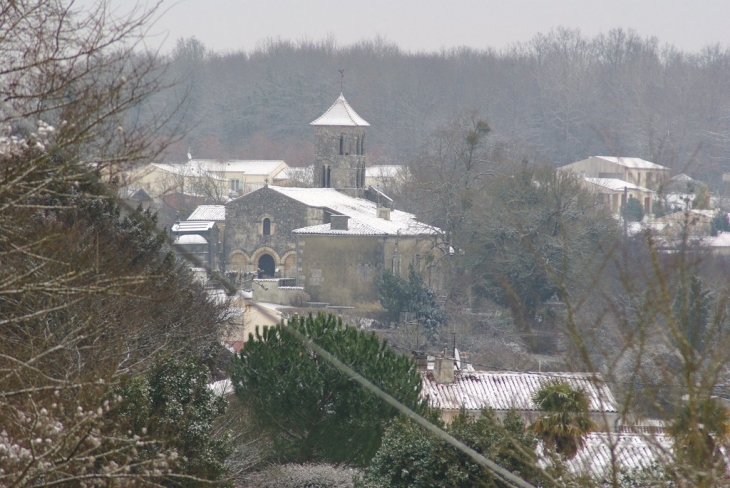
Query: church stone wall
x=244, y=232
x=340, y=270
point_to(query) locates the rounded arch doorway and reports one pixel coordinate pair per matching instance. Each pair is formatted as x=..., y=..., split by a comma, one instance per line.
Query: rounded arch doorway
x=267, y=266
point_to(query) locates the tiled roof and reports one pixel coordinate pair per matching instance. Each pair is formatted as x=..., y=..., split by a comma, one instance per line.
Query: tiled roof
x=633, y=163
x=362, y=213
x=506, y=390
x=602, y=451
x=209, y=212
x=341, y=114
x=615, y=184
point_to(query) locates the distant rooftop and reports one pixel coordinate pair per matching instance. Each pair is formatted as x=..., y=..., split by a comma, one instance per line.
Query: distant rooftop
x=634, y=163
x=341, y=114
x=617, y=185
x=247, y=166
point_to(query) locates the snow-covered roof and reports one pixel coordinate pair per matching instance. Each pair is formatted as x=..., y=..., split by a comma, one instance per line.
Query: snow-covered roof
x=247, y=166
x=191, y=239
x=509, y=390
x=211, y=168
x=362, y=213
x=614, y=184
x=603, y=451
x=682, y=177
x=192, y=226
x=209, y=212
x=633, y=163
x=187, y=170
x=341, y=114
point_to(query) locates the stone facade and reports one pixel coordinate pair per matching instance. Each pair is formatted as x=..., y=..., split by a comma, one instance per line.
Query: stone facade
x=344, y=270
x=246, y=240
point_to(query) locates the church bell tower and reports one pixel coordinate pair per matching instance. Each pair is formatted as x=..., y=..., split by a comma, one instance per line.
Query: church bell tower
x=339, y=152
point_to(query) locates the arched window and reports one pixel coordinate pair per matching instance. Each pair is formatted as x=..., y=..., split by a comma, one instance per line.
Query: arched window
x=267, y=227
x=362, y=145
x=342, y=145
x=357, y=146
x=324, y=177
x=329, y=174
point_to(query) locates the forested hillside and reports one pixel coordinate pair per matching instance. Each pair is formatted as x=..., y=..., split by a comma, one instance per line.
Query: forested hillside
x=561, y=97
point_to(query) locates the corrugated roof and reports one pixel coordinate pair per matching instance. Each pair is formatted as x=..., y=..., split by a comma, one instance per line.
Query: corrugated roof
x=209, y=212
x=362, y=213
x=341, y=114
x=192, y=226
x=615, y=184
x=506, y=390
x=634, y=163
x=602, y=452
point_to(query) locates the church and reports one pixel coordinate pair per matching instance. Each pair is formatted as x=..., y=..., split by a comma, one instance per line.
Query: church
x=333, y=240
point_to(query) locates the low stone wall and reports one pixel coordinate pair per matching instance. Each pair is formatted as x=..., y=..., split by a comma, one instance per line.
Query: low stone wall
x=270, y=291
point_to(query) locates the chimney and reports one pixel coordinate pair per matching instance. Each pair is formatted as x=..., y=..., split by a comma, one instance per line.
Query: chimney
x=443, y=370
x=384, y=213
x=421, y=359
x=339, y=222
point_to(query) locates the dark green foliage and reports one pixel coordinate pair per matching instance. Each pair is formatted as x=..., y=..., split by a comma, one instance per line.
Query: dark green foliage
x=410, y=457
x=311, y=411
x=565, y=419
x=174, y=406
x=411, y=296
x=633, y=210
x=720, y=223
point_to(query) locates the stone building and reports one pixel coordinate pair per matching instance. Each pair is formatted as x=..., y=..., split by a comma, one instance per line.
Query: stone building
x=339, y=149
x=335, y=240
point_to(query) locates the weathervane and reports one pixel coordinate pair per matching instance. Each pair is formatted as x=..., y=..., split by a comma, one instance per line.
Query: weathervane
x=342, y=79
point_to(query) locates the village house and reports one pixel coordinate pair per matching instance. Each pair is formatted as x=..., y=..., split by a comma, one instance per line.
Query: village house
x=618, y=179
x=636, y=171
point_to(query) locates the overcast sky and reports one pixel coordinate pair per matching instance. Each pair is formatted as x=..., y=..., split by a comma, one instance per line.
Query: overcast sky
x=428, y=25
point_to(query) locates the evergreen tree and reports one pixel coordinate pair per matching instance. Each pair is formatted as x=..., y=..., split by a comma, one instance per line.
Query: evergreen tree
x=311, y=411
x=411, y=296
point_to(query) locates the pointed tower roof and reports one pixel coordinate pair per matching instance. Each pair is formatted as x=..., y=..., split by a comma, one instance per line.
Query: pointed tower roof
x=340, y=113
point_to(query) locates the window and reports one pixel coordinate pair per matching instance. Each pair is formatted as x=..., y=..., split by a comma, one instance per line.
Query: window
x=342, y=144
x=235, y=184
x=267, y=227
